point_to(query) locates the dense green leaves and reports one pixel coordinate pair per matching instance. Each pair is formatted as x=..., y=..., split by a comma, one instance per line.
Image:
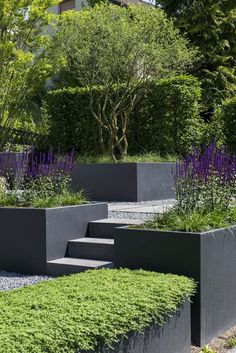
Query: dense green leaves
x=223, y=126
x=86, y=311
x=211, y=26
x=23, y=62
x=168, y=118
x=70, y=121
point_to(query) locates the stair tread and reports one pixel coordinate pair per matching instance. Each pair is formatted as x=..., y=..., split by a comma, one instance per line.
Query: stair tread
x=89, y=240
x=79, y=262
x=118, y=221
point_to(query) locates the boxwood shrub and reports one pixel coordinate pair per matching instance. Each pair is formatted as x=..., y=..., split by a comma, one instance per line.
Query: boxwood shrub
x=86, y=311
x=166, y=120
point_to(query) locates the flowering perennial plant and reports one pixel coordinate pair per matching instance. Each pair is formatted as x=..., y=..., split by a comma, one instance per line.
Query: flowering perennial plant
x=33, y=164
x=206, y=180
x=34, y=179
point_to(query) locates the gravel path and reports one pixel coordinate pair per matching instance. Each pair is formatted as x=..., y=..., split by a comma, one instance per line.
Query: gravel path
x=139, y=210
x=10, y=280
x=218, y=344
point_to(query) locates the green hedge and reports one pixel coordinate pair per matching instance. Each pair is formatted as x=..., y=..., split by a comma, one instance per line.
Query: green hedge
x=223, y=126
x=70, y=120
x=87, y=311
x=166, y=120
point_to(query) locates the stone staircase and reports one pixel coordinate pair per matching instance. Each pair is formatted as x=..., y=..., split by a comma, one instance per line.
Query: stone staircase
x=94, y=251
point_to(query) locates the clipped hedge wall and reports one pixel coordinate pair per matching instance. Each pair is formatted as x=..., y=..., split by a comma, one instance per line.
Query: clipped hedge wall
x=86, y=311
x=70, y=121
x=223, y=126
x=166, y=120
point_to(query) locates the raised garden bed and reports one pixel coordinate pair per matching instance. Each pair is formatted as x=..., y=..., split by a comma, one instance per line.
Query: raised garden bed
x=125, y=181
x=30, y=237
x=208, y=257
x=98, y=312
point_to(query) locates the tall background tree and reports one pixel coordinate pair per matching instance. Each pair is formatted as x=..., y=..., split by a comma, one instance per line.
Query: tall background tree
x=24, y=37
x=113, y=51
x=211, y=26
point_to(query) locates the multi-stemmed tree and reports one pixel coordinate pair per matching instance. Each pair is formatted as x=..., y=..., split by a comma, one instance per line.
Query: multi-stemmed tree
x=113, y=51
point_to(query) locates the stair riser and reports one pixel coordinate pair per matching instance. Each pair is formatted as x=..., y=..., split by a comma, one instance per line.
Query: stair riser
x=63, y=270
x=91, y=251
x=103, y=230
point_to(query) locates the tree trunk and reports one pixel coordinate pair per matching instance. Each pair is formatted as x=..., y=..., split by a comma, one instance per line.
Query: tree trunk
x=101, y=140
x=111, y=147
x=123, y=147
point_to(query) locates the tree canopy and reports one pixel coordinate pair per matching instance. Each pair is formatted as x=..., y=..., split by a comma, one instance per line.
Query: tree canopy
x=24, y=37
x=115, y=49
x=211, y=26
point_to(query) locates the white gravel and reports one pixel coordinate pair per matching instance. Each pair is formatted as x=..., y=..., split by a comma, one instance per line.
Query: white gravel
x=139, y=210
x=10, y=280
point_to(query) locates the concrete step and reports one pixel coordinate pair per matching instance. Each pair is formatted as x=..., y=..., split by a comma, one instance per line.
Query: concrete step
x=91, y=248
x=69, y=265
x=105, y=228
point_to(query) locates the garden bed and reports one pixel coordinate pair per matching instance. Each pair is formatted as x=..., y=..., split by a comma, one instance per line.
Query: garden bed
x=97, y=310
x=125, y=181
x=208, y=257
x=30, y=237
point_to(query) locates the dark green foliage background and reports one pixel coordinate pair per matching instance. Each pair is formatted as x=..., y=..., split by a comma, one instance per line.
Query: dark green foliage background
x=210, y=25
x=166, y=120
x=224, y=124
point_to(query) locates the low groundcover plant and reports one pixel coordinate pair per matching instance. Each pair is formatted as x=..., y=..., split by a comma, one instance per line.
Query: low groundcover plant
x=87, y=311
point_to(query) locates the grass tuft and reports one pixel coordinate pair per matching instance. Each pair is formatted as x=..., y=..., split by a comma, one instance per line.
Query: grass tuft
x=86, y=311
x=191, y=222
x=145, y=157
x=231, y=343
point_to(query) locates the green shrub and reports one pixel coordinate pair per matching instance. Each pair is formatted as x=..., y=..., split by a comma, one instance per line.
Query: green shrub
x=166, y=120
x=83, y=312
x=224, y=123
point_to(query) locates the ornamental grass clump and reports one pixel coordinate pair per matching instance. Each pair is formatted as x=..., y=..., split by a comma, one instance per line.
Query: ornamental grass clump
x=206, y=181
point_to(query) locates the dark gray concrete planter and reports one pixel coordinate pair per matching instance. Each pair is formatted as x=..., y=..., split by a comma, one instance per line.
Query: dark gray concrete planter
x=31, y=237
x=173, y=337
x=209, y=258
x=125, y=181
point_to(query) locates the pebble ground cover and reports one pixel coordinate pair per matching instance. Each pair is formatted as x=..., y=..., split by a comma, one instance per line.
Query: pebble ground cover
x=86, y=311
